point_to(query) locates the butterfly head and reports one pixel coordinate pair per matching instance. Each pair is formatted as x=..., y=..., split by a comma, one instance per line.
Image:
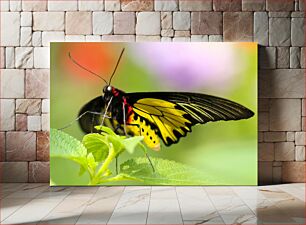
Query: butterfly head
x=107, y=92
x=107, y=88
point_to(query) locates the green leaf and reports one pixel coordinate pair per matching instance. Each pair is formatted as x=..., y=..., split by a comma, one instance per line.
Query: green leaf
x=131, y=143
x=64, y=146
x=106, y=130
x=117, y=143
x=166, y=172
x=97, y=145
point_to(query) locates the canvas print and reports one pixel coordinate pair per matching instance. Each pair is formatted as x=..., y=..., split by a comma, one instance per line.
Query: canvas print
x=153, y=114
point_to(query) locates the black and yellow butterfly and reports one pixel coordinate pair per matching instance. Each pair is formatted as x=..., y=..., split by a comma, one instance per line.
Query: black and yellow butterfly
x=156, y=115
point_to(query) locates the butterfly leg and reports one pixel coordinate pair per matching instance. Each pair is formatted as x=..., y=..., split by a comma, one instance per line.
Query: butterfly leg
x=148, y=157
x=106, y=111
x=151, y=163
x=80, y=116
x=124, y=119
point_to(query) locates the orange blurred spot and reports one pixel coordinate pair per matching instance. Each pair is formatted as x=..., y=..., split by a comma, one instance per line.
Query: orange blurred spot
x=96, y=57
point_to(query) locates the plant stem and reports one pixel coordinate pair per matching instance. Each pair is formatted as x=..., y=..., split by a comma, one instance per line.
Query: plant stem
x=105, y=165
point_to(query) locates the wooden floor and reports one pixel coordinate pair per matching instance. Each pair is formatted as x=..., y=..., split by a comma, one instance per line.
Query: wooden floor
x=41, y=204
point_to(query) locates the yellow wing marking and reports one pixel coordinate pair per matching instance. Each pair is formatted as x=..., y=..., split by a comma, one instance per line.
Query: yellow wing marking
x=170, y=126
x=191, y=108
x=194, y=115
x=183, y=121
x=164, y=128
x=148, y=109
x=178, y=124
x=156, y=102
x=140, y=128
x=165, y=116
x=144, y=115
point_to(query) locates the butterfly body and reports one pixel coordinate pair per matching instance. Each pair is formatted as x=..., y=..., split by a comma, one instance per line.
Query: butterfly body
x=158, y=115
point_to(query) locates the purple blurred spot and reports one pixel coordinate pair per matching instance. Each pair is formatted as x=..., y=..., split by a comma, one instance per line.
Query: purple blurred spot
x=190, y=65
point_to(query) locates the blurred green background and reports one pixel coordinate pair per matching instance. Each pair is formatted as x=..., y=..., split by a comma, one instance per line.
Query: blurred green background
x=226, y=150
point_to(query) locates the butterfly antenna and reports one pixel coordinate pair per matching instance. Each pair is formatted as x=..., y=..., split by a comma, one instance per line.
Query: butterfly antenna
x=116, y=65
x=84, y=68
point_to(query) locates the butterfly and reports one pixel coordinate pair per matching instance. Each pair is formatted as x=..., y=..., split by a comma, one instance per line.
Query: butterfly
x=166, y=116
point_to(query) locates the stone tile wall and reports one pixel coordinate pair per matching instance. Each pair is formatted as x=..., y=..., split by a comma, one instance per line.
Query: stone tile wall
x=28, y=26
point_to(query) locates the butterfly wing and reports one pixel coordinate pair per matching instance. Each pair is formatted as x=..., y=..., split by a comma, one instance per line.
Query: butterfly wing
x=168, y=115
x=174, y=113
x=91, y=115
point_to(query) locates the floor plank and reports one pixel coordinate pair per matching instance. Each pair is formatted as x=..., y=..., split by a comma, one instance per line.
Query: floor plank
x=152, y=205
x=164, y=206
x=9, y=206
x=230, y=207
x=28, y=191
x=9, y=188
x=196, y=205
x=33, y=211
x=132, y=207
x=69, y=210
x=101, y=206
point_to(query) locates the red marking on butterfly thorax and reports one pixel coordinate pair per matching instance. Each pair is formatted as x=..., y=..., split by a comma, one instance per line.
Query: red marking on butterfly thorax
x=124, y=101
x=129, y=109
x=127, y=105
x=115, y=92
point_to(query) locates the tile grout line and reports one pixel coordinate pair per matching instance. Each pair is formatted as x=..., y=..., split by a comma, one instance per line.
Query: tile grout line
x=246, y=203
x=116, y=203
x=254, y=213
x=93, y=195
x=3, y=219
x=18, y=189
x=178, y=201
x=54, y=207
x=30, y=199
x=217, y=211
x=149, y=205
x=21, y=187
